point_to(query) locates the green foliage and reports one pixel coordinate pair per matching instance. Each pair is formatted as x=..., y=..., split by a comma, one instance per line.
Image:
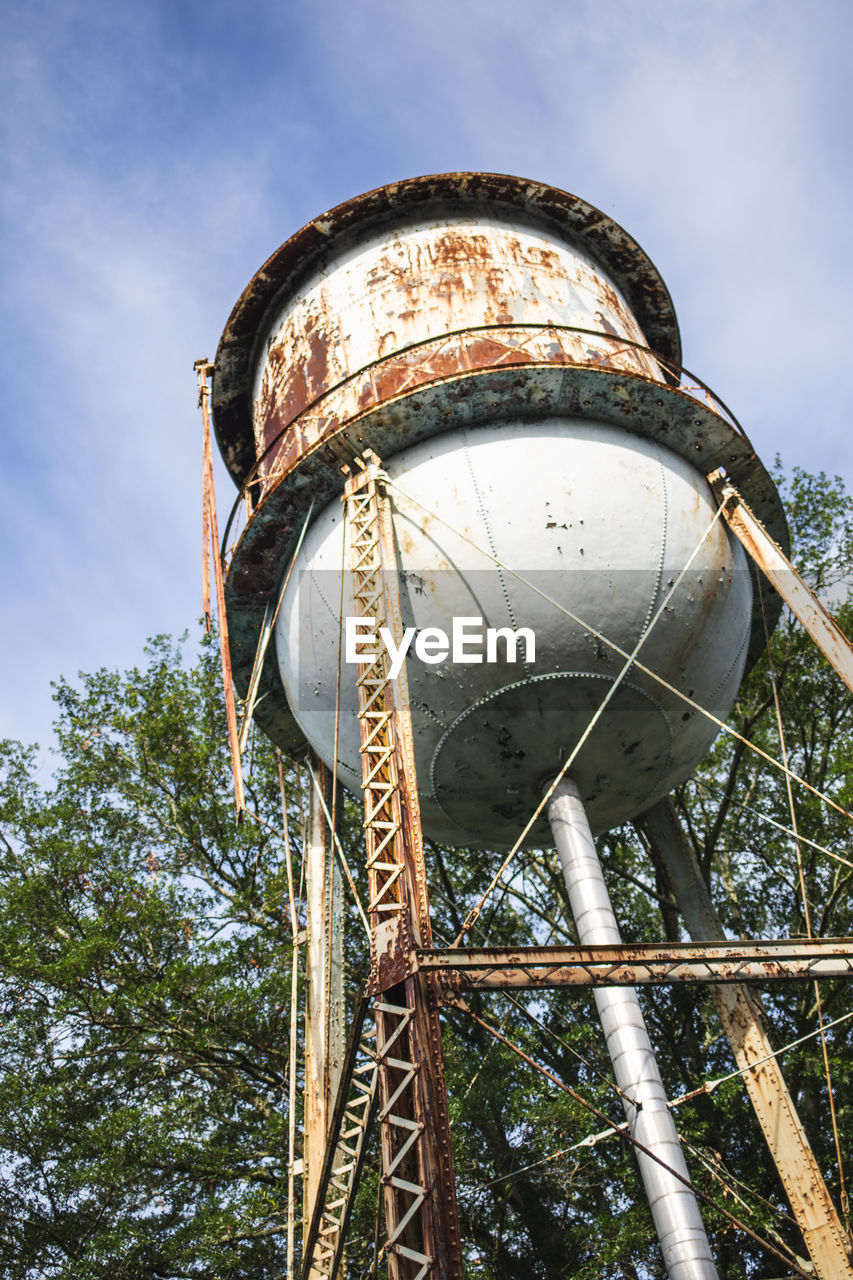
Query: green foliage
x=145, y=953
x=145, y=957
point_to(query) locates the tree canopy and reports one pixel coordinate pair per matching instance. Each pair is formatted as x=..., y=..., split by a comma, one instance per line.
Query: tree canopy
x=145, y=953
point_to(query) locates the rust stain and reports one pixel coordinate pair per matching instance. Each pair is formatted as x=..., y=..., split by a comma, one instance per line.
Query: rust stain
x=605, y=324
x=536, y=255
x=455, y=248
x=413, y=290
x=317, y=362
x=611, y=301
x=302, y=405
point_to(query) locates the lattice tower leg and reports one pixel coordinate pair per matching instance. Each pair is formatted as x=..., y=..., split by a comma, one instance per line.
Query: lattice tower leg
x=417, y=1165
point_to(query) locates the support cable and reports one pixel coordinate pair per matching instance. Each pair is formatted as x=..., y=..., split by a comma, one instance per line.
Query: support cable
x=732, y=1186
x=710, y=1085
x=334, y=816
x=205, y=542
x=610, y=644
x=699, y=781
x=332, y=819
x=303, y=831
x=341, y=855
x=845, y=1203
x=590, y=1066
x=575, y=1053
x=603, y=1134
x=634, y=1142
x=707, y=1087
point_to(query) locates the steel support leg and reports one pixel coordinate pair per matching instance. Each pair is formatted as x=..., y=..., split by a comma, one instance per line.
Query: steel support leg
x=684, y=1243
x=743, y=1022
x=779, y=571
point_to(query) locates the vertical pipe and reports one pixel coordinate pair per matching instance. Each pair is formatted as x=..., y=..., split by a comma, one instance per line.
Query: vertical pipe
x=743, y=1022
x=336, y=1028
x=324, y=1028
x=684, y=1244
x=315, y=997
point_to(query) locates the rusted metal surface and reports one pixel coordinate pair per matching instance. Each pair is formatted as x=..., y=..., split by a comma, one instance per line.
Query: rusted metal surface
x=457, y=200
x=782, y=575
x=452, y=354
x=270, y=616
x=391, y=829
x=742, y=1019
x=404, y=287
x=632, y=964
x=443, y=302
x=421, y=1218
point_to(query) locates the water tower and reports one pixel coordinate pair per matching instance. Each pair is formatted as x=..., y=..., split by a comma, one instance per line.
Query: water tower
x=539, y=586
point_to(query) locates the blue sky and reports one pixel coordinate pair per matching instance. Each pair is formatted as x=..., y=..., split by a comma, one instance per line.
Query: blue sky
x=155, y=154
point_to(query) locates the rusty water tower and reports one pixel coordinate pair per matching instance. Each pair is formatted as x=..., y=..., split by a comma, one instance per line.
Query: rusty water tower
x=512, y=357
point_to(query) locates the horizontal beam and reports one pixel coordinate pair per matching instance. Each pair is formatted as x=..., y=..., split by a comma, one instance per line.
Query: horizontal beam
x=633, y=964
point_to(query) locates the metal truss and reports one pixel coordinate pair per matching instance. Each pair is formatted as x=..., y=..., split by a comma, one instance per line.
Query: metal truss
x=421, y=1218
x=385, y=836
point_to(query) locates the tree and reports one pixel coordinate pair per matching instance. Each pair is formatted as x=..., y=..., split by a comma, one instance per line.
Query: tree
x=144, y=956
x=145, y=961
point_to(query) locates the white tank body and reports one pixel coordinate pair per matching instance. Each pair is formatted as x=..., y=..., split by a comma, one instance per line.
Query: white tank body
x=602, y=521
x=405, y=286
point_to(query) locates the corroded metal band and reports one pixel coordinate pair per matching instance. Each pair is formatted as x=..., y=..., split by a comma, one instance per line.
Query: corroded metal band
x=672, y=417
x=567, y=215
x=463, y=351
x=460, y=352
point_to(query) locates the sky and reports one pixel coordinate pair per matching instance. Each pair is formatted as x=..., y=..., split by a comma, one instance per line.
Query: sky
x=155, y=154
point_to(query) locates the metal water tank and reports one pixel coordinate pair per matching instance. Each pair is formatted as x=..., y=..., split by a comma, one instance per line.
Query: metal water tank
x=513, y=357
